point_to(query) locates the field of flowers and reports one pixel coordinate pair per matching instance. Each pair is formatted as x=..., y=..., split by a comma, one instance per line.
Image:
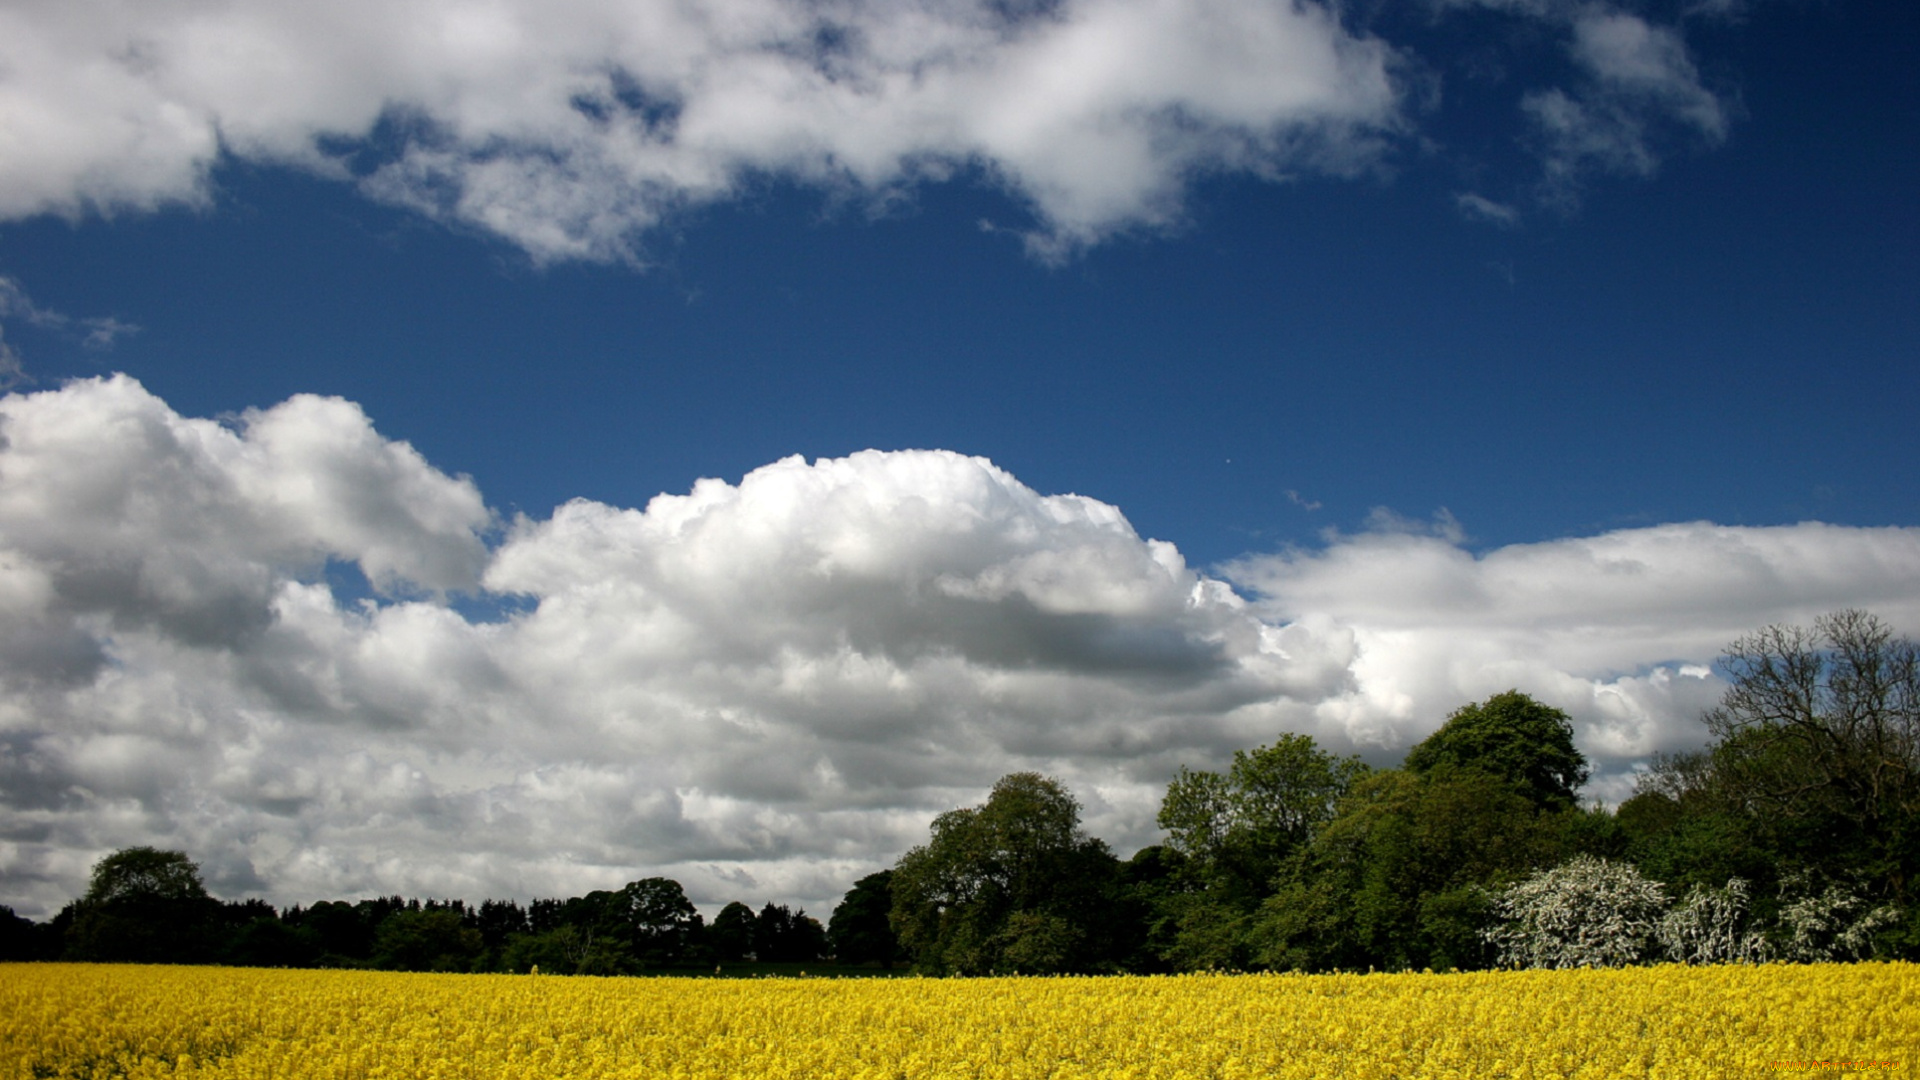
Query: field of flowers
x=68, y=1020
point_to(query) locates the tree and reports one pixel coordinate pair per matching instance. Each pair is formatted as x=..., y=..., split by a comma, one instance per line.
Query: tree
x=1513, y=737
x=144, y=905
x=784, y=936
x=567, y=949
x=731, y=934
x=498, y=921
x=1834, y=924
x=1401, y=878
x=20, y=939
x=1236, y=829
x=340, y=931
x=143, y=874
x=1022, y=852
x=662, y=924
x=424, y=940
x=1586, y=912
x=859, y=931
x=1713, y=926
x=268, y=942
x=1822, y=725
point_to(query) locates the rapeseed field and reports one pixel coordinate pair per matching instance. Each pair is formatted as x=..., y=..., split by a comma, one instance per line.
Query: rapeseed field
x=98, y=1021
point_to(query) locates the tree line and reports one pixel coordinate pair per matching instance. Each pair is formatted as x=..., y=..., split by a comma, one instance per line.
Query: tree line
x=1794, y=835
x=144, y=905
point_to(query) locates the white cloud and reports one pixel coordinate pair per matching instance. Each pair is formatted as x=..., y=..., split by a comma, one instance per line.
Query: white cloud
x=573, y=129
x=569, y=128
x=1614, y=628
x=762, y=688
x=1640, y=80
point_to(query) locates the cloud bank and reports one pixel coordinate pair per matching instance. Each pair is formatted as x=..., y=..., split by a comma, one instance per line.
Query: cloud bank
x=762, y=688
x=573, y=128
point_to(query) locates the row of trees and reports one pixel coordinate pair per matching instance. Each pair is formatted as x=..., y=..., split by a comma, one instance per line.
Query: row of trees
x=1794, y=835
x=149, y=906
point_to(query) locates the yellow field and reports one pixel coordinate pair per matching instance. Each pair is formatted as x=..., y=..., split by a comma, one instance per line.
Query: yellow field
x=71, y=1020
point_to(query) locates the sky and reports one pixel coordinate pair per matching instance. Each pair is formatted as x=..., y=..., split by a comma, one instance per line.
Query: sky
x=506, y=449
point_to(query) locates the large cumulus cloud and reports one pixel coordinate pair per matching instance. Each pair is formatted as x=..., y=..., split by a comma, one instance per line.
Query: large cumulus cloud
x=571, y=128
x=761, y=688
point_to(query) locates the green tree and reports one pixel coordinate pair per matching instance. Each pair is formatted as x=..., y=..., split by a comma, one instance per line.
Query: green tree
x=268, y=942
x=859, y=931
x=1400, y=878
x=340, y=931
x=1021, y=853
x=437, y=940
x=144, y=905
x=1513, y=737
x=568, y=950
x=662, y=925
x=784, y=936
x=1233, y=832
x=731, y=934
x=1236, y=829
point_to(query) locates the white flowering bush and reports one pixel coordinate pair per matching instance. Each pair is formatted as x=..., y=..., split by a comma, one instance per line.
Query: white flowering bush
x=1711, y=926
x=1587, y=912
x=1833, y=925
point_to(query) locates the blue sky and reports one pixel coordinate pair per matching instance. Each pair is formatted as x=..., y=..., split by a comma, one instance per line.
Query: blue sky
x=1403, y=326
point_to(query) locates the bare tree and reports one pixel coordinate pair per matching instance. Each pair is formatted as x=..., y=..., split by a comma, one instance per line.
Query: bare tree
x=1826, y=718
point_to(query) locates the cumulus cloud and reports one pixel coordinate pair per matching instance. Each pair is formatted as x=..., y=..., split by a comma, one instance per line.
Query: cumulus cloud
x=762, y=688
x=1618, y=629
x=570, y=128
x=574, y=129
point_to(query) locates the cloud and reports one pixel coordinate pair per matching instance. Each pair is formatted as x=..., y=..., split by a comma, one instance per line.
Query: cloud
x=1639, y=81
x=1481, y=208
x=570, y=129
x=762, y=688
x=1618, y=629
x=16, y=305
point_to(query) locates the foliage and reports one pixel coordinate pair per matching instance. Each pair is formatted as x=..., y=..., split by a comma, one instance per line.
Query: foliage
x=144, y=875
x=568, y=950
x=1712, y=926
x=1389, y=883
x=731, y=935
x=1237, y=829
x=1587, y=912
x=20, y=939
x=1820, y=732
x=783, y=936
x=144, y=905
x=859, y=931
x=1513, y=737
x=1834, y=924
x=1021, y=853
x=426, y=941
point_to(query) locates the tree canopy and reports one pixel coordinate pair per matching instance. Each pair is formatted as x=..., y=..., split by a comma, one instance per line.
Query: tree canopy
x=144, y=875
x=1513, y=737
x=1011, y=885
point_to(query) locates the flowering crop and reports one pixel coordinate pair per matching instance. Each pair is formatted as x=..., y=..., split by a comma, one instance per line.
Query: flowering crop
x=60, y=1020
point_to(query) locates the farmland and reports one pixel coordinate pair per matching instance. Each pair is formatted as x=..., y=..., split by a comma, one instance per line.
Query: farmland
x=96, y=1021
